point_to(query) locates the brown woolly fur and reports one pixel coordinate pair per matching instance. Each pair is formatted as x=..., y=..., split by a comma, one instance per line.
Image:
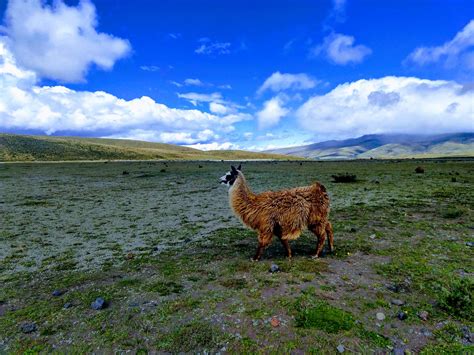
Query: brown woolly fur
x=283, y=213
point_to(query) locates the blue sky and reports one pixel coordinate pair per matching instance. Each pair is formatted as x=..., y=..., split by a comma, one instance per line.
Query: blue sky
x=246, y=74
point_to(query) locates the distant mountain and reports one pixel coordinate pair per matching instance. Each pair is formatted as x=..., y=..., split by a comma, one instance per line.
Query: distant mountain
x=387, y=146
x=15, y=147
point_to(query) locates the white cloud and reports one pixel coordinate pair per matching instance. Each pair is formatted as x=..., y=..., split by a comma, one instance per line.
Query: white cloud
x=389, y=105
x=54, y=109
x=284, y=81
x=273, y=110
x=225, y=86
x=215, y=146
x=340, y=49
x=195, y=97
x=194, y=82
x=151, y=68
x=60, y=42
x=458, y=51
x=175, y=83
x=208, y=47
x=219, y=109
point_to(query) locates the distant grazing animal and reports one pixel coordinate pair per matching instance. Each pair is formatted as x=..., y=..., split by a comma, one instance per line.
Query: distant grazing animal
x=282, y=213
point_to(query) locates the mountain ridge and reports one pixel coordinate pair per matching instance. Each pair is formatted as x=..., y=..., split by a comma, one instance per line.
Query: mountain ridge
x=386, y=146
x=14, y=147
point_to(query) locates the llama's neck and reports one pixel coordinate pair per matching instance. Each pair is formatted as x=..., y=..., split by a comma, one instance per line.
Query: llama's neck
x=241, y=197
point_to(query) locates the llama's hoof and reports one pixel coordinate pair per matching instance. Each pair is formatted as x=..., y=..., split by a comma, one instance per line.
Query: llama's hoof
x=253, y=260
x=315, y=256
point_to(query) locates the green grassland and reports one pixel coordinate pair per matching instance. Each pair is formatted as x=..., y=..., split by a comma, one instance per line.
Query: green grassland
x=46, y=148
x=158, y=242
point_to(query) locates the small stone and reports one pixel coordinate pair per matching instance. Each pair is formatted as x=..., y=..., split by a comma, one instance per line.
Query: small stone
x=423, y=315
x=372, y=236
x=470, y=244
x=402, y=315
x=426, y=332
x=397, y=302
x=467, y=334
x=380, y=316
x=99, y=304
x=57, y=293
x=28, y=328
x=274, y=268
x=67, y=305
x=340, y=348
x=275, y=322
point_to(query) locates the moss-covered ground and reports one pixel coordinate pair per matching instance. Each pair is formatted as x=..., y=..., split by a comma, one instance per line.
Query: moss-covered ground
x=158, y=242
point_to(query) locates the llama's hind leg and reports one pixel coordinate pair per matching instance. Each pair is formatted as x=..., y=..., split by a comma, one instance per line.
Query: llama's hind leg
x=319, y=231
x=286, y=245
x=330, y=235
x=264, y=240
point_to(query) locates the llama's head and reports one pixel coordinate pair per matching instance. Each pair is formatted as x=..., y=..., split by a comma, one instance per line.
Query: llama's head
x=230, y=177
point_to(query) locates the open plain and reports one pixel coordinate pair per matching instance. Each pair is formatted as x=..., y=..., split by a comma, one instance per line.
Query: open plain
x=158, y=242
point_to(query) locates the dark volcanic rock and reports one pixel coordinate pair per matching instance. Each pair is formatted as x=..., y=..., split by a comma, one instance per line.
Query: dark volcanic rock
x=274, y=268
x=57, y=293
x=402, y=315
x=397, y=302
x=99, y=304
x=28, y=328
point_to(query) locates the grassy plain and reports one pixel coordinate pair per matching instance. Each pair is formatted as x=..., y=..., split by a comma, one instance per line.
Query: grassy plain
x=158, y=242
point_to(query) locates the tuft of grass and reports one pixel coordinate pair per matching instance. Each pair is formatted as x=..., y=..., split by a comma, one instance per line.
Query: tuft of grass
x=237, y=284
x=164, y=288
x=323, y=316
x=457, y=299
x=191, y=337
x=452, y=212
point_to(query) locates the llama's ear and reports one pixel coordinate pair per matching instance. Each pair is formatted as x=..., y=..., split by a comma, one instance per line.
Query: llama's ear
x=233, y=169
x=240, y=167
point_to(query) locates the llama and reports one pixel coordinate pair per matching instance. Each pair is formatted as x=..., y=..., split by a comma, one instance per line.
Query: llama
x=282, y=213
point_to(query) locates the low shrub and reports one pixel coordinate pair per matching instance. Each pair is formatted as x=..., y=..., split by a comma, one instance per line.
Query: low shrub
x=344, y=177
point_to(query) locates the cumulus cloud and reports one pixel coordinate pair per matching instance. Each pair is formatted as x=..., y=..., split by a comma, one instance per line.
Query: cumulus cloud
x=459, y=50
x=24, y=105
x=273, y=110
x=58, y=41
x=389, y=105
x=340, y=49
x=284, y=81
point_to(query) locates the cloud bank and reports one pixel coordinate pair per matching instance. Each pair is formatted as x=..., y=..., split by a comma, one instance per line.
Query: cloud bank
x=60, y=42
x=389, y=105
x=54, y=109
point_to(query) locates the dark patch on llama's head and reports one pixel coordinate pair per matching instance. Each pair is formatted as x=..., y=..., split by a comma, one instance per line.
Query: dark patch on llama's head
x=230, y=177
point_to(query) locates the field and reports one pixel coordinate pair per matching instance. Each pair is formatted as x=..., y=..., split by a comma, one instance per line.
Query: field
x=157, y=241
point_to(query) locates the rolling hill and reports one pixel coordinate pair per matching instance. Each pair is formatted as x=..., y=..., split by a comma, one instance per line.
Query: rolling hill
x=386, y=146
x=46, y=148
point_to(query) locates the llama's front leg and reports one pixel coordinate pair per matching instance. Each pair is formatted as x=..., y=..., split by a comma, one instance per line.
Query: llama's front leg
x=263, y=241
